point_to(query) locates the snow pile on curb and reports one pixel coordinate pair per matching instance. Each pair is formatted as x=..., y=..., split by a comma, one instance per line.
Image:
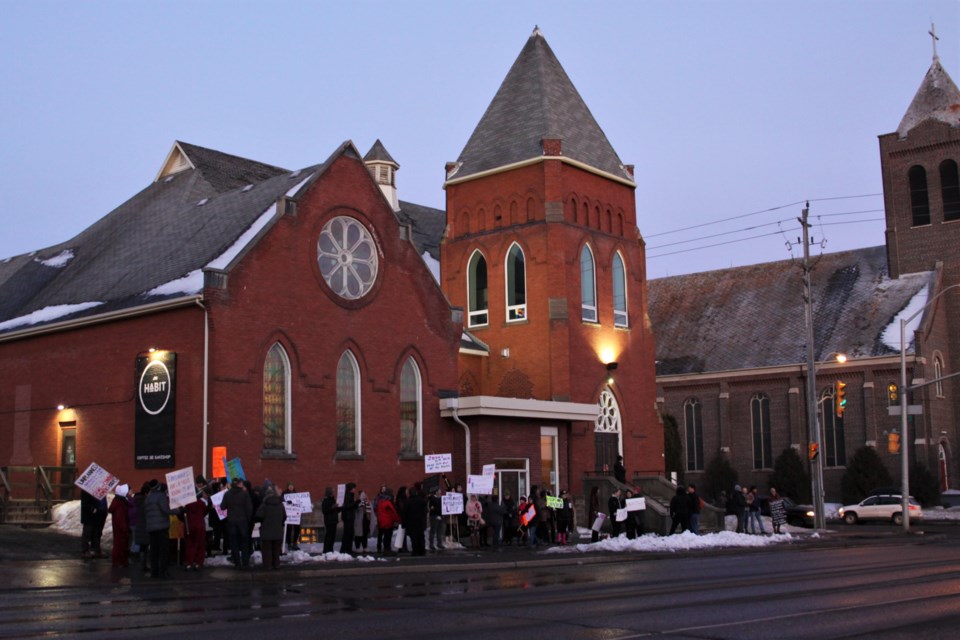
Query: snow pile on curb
x=685, y=541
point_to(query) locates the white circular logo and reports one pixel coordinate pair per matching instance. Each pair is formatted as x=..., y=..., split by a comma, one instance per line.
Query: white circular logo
x=155, y=387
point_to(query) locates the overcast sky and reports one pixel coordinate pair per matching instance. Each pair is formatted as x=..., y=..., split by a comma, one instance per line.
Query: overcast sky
x=725, y=108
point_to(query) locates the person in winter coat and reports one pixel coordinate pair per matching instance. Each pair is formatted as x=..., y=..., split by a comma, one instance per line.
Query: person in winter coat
x=157, y=514
x=120, y=519
x=474, y=512
x=754, y=518
x=509, y=518
x=348, y=514
x=272, y=514
x=417, y=519
x=239, y=508
x=437, y=524
x=195, y=517
x=564, y=517
x=494, y=520
x=387, y=519
x=693, y=509
x=400, y=502
x=778, y=511
x=293, y=530
x=140, y=534
x=593, y=510
x=679, y=511
x=614, y=504
x=93, y=515
x=738, y=503
x=361, y=523
x=330, y=511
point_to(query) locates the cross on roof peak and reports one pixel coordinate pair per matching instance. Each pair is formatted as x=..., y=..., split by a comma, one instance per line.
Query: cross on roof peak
x=933, y=39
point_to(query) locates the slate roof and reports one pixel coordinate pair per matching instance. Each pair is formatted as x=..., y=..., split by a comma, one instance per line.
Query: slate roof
x=428, y=226
x=379, y=153
x=937, y=98
x=753, y=316
x=537, y=100
x=175, y=226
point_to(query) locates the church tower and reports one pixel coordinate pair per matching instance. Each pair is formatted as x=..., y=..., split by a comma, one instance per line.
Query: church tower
x=543, y=253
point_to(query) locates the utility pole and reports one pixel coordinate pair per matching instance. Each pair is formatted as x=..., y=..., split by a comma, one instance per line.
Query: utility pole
x=813, y=418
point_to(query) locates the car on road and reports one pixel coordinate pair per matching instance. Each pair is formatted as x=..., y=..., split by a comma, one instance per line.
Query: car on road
x=887, y=507
x=799, y=515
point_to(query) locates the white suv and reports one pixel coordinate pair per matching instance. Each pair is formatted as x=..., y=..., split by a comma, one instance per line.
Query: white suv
x=883, y=507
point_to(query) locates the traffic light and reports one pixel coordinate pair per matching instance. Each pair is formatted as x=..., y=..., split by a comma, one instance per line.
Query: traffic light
x=893, y=392
x=840, y=397
x=813, y=451
x=893, y=442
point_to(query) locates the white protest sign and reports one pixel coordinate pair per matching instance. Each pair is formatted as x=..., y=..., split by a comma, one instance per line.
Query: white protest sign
x=636, y=504
x=341, y=494
x=598, y=523
x=216, y=499
x=489, y=469
x=451, y=504
x=97, y=481
x=621, y=515
x=301, y=499
x=293, y=513
x=481, y=485
x=181, y=487
x=438, y=463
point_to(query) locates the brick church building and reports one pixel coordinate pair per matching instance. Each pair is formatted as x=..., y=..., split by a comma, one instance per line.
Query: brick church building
x=323, y=331
x=731, y=346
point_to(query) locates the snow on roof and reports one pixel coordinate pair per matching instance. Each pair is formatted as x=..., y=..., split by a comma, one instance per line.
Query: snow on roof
x=47, y=314
x=433, y=264
x=891, y=334
x=190, y=284
x=59, y=260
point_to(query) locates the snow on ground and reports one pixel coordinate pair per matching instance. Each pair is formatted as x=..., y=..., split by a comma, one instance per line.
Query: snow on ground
x=679, y=542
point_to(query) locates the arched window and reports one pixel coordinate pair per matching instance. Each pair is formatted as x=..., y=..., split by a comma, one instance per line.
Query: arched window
x=620, y=317
x=477, y=291
x=348, y=404
x=937, y=375
x=693, y=425
x=834, y=447
x=760, y=421
x=516, y=283
x=950, y=188
x=276, y=400
x=411, y=409
x=607, y=432
x=588, y=286
x=919, y=200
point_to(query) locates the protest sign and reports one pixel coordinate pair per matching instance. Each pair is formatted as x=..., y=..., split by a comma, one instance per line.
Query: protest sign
x=554, y=502
x=438, y=463
x=621, y=515
x=528, y=515
x=97, y=481
x=341, y=494
x=451, y=504
x=431, y=483
x=481, y=485
x=636, y=504
x=293, y=513
x=301, y=499
x=489, y=469
x=181, y=488
x=219, y=454
x=234, y=470
x=216, y=499
x=598, y=522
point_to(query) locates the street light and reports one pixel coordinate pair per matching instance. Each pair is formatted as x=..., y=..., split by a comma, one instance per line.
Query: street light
x=904, y=440
x=813, y=428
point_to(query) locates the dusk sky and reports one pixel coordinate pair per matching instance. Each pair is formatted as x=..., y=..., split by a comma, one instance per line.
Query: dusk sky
x=725, y=108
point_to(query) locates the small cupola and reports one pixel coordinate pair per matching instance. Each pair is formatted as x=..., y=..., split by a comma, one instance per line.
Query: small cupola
x=383, y=169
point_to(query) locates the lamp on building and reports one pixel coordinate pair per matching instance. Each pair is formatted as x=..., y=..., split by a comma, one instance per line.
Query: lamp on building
x=611, y=367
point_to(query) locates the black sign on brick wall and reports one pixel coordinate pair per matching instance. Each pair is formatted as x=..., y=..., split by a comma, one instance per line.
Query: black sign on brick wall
x=155, y=401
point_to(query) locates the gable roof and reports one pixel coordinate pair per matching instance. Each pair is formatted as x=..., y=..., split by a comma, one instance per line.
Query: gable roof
x=428, y=225
x=154, y=246
x=537, y=100
x=753, y=316
x=937, y=98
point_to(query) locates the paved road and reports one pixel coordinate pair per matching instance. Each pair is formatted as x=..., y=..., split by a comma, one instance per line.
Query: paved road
x=863, y=584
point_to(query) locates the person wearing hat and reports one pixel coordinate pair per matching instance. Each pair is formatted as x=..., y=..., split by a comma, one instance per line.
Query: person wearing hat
x=119, y=511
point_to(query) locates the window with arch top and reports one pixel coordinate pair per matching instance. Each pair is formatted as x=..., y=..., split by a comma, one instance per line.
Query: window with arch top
x=477, y=291
x=516, y=284
x=348, y=404
x=588, y=285
x=693, y=426
x=950, y=189
x=620, y=316
x=276, y=400
x=411, y=409
x=919, y=198
x=760, y=421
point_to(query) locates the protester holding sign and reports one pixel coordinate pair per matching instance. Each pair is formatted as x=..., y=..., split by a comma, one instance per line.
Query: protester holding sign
x=387, y=519
x=293, y=530
x=120, y=519
x=195, y=517
x=564, y=516
x=93, y=515
x=239, y=507
x=157, y=515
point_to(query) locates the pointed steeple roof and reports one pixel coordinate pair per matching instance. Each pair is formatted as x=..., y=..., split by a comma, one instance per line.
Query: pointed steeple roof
x=937, y=98
x=379, y=153
x=536, y=101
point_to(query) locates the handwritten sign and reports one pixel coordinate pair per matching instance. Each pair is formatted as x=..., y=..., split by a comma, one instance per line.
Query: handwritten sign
x=97, y=481
x=554, y=502
x=301, y=499
x=341, y=494
x=438, y=463
x=598, y=522
x=528, y=515
x=235, y=470
x=293, y=513
x=451, y=504
x=181, y=488
x=481, y=485
x=216, y=499
x=219, y=467
x=636, y=504
x=621, y=515
x=489, y=469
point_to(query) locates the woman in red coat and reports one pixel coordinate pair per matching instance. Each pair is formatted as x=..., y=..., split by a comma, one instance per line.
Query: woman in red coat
x=120, y=519
x=387, y=518
x=195, y=515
